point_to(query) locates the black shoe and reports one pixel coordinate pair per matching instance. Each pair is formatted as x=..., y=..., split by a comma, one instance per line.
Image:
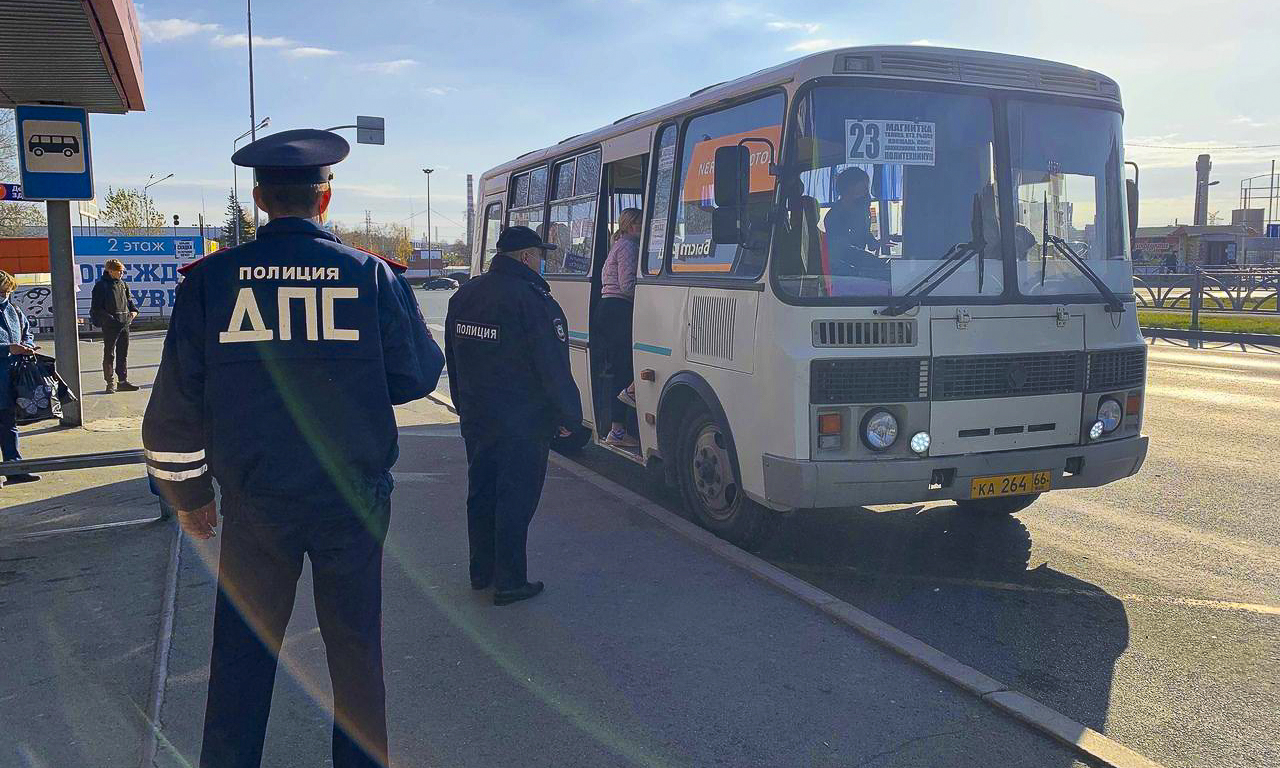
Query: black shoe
x=479, y=585
x=25, y=477
x=509, y=596
x=111, y=388
x=125, y=386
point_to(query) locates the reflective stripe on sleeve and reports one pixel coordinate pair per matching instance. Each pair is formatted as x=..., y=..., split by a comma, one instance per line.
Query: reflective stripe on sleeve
x=177, y=477
x=170, y=457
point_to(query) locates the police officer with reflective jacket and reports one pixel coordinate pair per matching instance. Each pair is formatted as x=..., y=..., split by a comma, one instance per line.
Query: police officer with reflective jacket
x=506, y=342
x=283, y=360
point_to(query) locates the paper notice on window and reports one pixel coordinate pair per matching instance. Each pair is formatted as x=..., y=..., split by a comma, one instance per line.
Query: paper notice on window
x=878, y=142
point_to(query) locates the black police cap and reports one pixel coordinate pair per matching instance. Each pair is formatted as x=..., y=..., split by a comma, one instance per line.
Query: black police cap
x=518, y=238
x=300, y=156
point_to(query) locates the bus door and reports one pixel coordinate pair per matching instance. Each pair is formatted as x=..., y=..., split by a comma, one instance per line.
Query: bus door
x=623, y=189
x=571, y=227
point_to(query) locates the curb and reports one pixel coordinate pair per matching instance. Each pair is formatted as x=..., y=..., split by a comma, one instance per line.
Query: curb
x=164, y=641
x=994, y=693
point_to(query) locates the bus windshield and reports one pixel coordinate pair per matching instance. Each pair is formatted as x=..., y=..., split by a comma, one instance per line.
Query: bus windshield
x=1068, y=183
x=883, y=185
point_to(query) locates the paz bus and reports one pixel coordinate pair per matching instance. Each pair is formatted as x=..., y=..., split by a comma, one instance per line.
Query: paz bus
x=957, y=322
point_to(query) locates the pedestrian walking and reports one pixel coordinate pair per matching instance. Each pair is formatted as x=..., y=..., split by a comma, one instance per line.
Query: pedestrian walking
x=113, y=310
x=506, y=341
x=283, y=360
x=16, y=340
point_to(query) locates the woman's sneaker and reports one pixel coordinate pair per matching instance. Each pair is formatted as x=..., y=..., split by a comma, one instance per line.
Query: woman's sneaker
x=627, y=397
x=620, y=439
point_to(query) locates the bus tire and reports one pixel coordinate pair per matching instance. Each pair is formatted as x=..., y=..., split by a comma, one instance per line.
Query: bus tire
x=710, y=488
x=1001, y=505
x=574, y=443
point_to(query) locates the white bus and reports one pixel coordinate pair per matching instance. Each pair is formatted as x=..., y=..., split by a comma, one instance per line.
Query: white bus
x=868, y=276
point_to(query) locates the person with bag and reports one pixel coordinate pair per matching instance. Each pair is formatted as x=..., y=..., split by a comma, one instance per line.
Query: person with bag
x=113, y=310
x=16, y=341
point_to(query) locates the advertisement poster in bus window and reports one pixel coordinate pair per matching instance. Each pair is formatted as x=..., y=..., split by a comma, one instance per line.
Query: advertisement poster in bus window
x=878, y=142
x=699, y=181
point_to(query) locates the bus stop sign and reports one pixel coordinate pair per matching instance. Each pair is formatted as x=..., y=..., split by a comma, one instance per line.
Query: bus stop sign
x=53, y=152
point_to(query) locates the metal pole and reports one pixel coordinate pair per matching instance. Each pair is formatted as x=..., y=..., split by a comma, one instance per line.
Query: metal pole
x=1197, y=298
x=253, y=118
x=429, y=232
x=62, y=274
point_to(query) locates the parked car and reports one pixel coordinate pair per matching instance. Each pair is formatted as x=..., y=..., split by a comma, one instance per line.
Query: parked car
x=432, y=283
x=461, y=277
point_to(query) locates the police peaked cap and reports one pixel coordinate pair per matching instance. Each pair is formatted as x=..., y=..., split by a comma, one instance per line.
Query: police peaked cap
x=300, y=156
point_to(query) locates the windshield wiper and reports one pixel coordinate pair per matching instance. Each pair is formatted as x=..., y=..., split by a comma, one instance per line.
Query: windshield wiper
x=1113, y=301
x=955, y=257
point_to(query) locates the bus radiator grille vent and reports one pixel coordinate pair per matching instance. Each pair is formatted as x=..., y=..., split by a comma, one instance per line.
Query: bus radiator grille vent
x=974, y=377
x=864, y=333
x=1116, y=369
x=918, y=65
x=997, y=74
x=871, y=381
x=711, y=325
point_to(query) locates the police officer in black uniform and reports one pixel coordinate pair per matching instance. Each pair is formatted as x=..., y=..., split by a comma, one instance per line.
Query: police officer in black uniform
x=506, y=342
x=282, y=362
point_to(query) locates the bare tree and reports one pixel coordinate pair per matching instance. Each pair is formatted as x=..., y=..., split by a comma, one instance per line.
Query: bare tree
x=14, y=217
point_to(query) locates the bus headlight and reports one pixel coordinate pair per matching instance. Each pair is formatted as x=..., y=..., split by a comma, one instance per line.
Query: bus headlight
x=920, y=442
x=1110, y=413
x=879, y=430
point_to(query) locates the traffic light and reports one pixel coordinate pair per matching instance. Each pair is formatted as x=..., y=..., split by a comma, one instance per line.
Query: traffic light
x=175, y=219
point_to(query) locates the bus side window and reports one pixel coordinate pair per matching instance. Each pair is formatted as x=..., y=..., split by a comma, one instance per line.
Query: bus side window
x=492, y=226
x=664, y=165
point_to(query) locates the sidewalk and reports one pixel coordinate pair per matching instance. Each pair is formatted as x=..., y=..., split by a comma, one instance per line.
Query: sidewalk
x=644, y=650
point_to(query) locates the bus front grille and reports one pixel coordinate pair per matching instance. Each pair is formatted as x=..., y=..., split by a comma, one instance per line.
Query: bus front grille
x=874, y=380
x=1117, y=369
x=864, y=333
x=974, y=377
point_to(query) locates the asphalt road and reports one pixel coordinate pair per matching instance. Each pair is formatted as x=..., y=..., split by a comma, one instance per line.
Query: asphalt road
x=1148, y=610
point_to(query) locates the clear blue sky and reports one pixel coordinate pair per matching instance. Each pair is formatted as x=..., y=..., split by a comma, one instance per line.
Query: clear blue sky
x=466, y=85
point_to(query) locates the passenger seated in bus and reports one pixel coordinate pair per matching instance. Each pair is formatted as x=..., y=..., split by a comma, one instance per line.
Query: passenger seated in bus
x=613, y=322
x=854, y=250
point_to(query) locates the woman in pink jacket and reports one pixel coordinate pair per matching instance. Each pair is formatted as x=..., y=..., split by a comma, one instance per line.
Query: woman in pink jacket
x=613, y=321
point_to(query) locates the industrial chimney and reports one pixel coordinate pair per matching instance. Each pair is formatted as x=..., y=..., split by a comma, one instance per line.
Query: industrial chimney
x=1201, y=215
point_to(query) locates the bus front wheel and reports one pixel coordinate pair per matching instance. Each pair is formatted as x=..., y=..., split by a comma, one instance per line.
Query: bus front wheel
x=711, y=489
x=1000, y=505
x=38, y=152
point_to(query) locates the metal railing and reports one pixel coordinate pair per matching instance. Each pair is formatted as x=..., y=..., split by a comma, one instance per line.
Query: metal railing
x=1251, y=292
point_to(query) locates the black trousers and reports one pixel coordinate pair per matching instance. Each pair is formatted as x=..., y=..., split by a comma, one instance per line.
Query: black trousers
x=613, y=324
x=115, y=351
x=505, y=474
x=257, y=579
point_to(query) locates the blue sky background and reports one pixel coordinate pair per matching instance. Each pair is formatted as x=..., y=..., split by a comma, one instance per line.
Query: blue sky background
x=466, y=85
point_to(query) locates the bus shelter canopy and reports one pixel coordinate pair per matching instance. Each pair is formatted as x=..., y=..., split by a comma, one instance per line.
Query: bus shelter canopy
x=83, y=53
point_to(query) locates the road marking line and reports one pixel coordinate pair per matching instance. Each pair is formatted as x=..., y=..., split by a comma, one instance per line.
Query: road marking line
x=1202, y=367
x=988, y=690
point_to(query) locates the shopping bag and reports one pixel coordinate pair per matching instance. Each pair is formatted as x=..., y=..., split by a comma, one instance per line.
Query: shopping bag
x=35, y=390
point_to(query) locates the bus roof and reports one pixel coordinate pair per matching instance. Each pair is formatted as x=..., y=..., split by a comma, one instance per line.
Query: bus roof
x=910, y=62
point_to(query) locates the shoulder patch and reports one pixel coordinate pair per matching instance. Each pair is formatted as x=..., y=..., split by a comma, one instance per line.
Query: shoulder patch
x=561, y=334
x=395, y=265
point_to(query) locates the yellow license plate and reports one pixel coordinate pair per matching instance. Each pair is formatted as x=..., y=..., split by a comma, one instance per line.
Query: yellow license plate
x=1009, y=485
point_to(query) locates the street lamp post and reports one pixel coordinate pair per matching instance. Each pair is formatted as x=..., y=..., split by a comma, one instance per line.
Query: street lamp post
x=428, y=171
x=235, y=171
x=253, y=118
x=146, y=199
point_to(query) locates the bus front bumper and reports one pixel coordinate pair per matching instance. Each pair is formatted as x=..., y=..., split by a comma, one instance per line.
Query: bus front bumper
x=799, y=484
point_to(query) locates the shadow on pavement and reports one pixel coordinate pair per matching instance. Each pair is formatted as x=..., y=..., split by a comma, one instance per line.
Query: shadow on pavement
x=959, y=582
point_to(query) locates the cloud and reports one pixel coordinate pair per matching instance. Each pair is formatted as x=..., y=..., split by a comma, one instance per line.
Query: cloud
x=922, y=41
x=1249, y=122
x=239, y=39
x=789, y=26
x=309, y=52
x=438, y=90
x=161, y=30
x=818, y=44
x=389, y=67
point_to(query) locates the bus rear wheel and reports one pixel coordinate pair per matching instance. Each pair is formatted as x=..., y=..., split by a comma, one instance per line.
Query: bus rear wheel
x=711, y=489
x=998, y=506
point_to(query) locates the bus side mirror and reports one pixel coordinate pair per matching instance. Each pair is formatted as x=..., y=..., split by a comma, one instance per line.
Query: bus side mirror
x=1131, y=195
x=732, y=172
